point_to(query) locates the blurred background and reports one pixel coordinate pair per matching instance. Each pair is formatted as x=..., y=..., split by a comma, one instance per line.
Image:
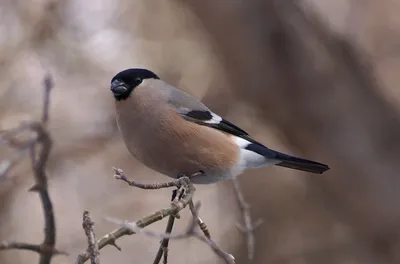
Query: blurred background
x=315, y=78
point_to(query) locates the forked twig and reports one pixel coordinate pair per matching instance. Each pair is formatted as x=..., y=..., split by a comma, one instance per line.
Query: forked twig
x=249, y=226
x=110, y=238
x=190, y=232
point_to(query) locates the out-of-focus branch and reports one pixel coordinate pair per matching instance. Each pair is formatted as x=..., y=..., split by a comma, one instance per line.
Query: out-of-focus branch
x=248, y=226
x=41, y=139
x=30, y=247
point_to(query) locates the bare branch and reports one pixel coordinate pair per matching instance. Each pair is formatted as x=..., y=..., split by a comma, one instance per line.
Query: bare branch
x=200, y=223
x=190, y=231
x=48, y=86
x=134, y=227
x=228, y=258
x=42, y=139
x=176, y=206
x=30, y=247
x=249, y=225
x=119, y=175
x=163, y=250
x=110, y=238
x=93, y=247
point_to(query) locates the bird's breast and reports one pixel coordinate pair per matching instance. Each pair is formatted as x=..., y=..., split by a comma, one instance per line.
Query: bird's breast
x=165, y=142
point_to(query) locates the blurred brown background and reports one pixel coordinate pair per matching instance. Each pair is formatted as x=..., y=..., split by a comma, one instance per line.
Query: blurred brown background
x=317, y=78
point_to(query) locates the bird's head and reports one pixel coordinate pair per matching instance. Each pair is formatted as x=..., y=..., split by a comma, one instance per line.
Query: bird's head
x=126, y=81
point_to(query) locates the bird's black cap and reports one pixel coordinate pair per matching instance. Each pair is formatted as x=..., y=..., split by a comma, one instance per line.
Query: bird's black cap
x=123, y=83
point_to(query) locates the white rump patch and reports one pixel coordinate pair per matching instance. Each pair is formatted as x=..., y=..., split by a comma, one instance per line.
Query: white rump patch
x=250, y=159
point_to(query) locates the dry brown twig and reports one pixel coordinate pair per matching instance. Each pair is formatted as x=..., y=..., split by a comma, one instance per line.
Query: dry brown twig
x=42, y=140
x=200, y=223
x=175, y=207
x=190, y=232
x=248, y=226
x=110, y=238
x=164, y=243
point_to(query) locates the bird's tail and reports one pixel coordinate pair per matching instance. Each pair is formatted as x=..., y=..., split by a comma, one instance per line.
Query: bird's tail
x=292, y=162
x=288, y=161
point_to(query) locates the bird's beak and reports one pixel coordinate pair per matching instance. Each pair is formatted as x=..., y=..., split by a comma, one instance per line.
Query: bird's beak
x=118, y=87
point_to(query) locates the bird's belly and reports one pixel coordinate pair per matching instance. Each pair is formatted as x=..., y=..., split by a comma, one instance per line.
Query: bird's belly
x=187, y=162
x=173, y=154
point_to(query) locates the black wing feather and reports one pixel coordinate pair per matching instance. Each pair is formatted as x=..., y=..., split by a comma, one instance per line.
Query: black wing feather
x=200, y=116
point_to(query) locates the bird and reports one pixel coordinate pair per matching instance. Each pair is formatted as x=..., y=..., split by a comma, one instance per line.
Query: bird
x=173, y=133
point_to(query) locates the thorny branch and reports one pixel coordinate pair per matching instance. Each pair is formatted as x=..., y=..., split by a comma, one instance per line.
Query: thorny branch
x=42, y=140
x=249, y=226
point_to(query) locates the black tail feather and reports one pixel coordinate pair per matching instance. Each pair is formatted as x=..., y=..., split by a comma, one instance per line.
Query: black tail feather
x=288, y=161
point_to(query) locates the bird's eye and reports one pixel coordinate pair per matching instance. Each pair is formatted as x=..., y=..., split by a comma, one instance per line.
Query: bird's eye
x=138, y=80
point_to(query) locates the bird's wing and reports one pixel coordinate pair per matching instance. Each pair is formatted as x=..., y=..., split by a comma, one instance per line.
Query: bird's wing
x=195, y=111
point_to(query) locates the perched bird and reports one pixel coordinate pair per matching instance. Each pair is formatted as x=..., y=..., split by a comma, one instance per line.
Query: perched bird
x=173, y=133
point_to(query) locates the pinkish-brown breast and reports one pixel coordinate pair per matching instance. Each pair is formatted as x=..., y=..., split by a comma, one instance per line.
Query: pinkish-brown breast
x=162, y=140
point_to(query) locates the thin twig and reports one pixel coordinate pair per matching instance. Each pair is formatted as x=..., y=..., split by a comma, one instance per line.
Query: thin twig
x=48, y=86
x=39, y=169
x=30, y=247
x=40, y=187
x=110, y=238
x=162, y=251
x=249, y=226
x=134, y=227
x=119, y=175
x=200, y=223
x=93, y=247
x=228, y=258
x=190, y=231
